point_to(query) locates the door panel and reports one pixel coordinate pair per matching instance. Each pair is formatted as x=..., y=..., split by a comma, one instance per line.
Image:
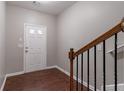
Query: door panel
x=35, y=47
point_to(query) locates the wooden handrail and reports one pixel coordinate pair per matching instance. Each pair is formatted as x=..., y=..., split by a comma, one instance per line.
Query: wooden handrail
x=119, y=27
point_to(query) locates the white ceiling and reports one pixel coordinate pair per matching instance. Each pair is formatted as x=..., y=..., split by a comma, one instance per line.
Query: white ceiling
x=50, y=7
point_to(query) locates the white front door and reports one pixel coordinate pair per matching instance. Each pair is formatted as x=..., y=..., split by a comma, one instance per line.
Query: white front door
x=35, y=47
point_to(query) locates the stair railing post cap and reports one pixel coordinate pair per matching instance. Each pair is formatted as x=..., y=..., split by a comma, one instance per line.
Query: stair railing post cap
x=122, y=24
x=71, y=49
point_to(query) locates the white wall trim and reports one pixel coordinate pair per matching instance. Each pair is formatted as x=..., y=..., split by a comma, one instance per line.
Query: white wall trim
x=14, y=74
x=22, y=72
x=49, y=67
x=2, y=87
x=111, y=87
x=8, y=75
x=61, y=69
x=19, y=73
x=84, y=83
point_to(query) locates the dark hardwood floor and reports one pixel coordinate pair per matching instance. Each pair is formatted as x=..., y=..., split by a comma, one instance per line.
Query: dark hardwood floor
x=45, y=80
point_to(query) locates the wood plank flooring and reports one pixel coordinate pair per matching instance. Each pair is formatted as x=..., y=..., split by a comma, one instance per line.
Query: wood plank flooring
x=45, y=80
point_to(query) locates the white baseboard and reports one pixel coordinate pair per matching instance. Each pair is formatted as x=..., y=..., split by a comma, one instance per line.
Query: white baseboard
x=22, y=72
x=4, y=81
x=49, y=67
x=19, y=73
x=67, y=73
x=61, y=69
x=8, y=75
x=111, y=87
x=45, y=68
x=14, y=74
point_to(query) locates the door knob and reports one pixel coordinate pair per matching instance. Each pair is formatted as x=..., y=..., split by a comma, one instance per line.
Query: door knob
x=26, y=51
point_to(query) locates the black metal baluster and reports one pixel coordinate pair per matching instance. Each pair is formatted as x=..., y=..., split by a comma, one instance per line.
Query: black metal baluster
x=115, y=62
x=95, y=68
x=104, y=71
x=88, y=69
x=82, y=71
x=77, y=75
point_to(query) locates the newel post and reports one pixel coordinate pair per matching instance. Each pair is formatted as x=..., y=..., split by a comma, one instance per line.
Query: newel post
x=71, y=57
x=122, y=24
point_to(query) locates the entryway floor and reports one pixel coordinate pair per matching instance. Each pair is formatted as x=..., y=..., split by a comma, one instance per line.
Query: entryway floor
x=44, y=80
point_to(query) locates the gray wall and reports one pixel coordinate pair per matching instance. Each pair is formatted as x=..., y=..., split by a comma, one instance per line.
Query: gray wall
x=76, y=26
x=2, y=42
x=16, y=17
x=83, y=22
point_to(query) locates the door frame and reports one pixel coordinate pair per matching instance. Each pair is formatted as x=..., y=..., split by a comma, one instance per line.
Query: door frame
x=24, y=54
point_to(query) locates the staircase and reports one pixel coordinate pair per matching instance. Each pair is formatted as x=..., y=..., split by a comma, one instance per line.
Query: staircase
x=74, y=55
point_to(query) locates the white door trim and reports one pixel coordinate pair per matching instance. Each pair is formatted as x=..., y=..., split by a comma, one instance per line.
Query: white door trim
x=24, y=62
